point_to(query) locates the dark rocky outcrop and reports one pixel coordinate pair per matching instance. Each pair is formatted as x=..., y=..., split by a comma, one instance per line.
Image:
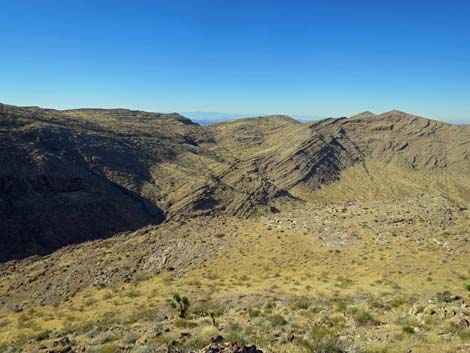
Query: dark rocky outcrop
x=230, y=347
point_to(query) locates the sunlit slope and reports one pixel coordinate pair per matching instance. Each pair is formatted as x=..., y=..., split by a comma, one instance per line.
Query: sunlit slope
x=374, y=180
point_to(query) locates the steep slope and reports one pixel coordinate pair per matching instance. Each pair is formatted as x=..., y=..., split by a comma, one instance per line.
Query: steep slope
x=54, y=186
x=413, y=142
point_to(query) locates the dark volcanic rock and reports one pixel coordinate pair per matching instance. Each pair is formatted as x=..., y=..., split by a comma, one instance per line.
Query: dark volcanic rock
x=230, y=347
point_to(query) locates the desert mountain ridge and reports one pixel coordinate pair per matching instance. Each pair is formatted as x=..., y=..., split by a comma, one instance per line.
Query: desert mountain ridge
x=342, y=234
x=64, y=172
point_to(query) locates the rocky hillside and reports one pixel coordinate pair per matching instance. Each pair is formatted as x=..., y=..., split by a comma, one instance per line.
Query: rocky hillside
x=75, y=175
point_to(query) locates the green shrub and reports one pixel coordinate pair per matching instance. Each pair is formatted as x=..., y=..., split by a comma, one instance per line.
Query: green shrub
x=301, y=303
x=43, y=335
x=234, y=332
x=253, y=313
x=213, y=315
x=464, y=334
x=194, y=344
x=363, y=318
x=341, y=306
x=322, y=340
x=130, y=338
x=408, y=329
x=133, y=293
x=270, y=304
x=183, y=323
x=109, y=348
x=467, y=286
x=276, y=320
x=142, y=313
x=106, y=338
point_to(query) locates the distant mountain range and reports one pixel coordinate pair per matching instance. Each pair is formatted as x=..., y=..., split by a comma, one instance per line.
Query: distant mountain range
x=205, y=118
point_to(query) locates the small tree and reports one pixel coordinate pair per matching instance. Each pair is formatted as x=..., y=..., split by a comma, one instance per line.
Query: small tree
x=180, y=303
x=467, y=287
x=212, y=316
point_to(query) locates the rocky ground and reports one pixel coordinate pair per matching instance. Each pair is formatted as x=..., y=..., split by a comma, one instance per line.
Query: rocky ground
x=372, y=276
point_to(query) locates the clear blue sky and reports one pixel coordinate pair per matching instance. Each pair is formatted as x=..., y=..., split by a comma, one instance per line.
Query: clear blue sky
x=294, y=57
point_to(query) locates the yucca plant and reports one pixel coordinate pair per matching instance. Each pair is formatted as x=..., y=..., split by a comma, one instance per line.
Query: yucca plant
x=180, y=303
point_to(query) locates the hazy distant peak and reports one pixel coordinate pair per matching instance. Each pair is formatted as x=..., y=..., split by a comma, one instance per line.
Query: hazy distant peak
x=285, y=118
x=264, y=120
x=398, y=115
x=366, y=114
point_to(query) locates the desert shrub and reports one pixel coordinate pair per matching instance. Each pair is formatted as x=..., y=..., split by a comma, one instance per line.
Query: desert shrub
x=4, y=323
x=145, y=349
x=22, y=320
x=183, y=323
x=444, y=297
x=107, y=295
x=206, y=332
x=341, y=306
x=252, y=313
x=133, y=293
x=43, y=335
x=130, y=338
x=322, y=340
x=9, y=348
x=374, y=350
x=109, y=348
x=167, y=278
x=408, y=329
x=143, y=313
x=90, y=327
x=276, y=320
x=141, y=276
x=206, y=308
x=271, y=304
x=343, y=282
x=400, y=300
x=363, y=318
x=464, y=334
x=109, y=317
x=194, y=344
x=301, y=303
x=234, y=332
x=337, y=319
x=467, y=286
x=106, y=338
x=90, y=301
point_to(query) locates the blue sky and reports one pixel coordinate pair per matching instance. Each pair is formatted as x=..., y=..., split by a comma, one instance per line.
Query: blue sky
x=318, y=58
